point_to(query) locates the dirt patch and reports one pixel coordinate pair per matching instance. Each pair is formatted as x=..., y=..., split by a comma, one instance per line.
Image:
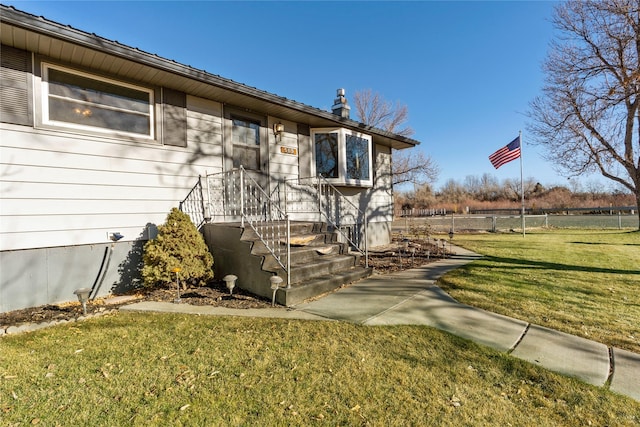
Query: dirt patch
x=403, y=254
x=400, y=254
x=214, y=294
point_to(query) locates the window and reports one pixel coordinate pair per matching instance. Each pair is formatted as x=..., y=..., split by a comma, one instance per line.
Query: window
x=245, y=135
x=82, y=101
x=357, y=158
x=342, y=156
x=327, y=154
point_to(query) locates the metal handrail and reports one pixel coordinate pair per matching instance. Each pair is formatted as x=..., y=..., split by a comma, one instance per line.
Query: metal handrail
x=193, y=204
x=323, y=192
x=235, y=195
x=238, y=195
x=274, y=240
x=342, y=197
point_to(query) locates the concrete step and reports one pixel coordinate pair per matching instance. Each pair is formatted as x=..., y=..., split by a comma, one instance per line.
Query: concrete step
x=330, y=264
x=296, y=229
x=301, y=255
x=307, y=227
x=319, y=264
x=320, y=285
x=303, y=243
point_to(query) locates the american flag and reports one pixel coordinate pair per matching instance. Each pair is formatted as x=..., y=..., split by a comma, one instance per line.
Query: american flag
x=509, y=152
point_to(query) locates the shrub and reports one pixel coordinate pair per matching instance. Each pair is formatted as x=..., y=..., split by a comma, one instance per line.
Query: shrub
x=178, y=245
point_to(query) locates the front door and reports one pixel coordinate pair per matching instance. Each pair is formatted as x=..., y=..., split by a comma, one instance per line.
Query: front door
x=246, y=145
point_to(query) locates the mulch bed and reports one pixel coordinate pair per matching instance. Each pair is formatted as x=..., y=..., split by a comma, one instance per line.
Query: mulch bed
x=215, y=294
x=398, y=255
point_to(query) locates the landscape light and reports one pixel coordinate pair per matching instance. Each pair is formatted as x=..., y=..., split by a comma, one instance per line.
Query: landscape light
x=230, y=281
x=177, y=270
x=83, y=297
x=275, y=285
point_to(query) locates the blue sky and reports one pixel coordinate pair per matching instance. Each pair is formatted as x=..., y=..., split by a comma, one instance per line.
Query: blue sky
x=466, y=70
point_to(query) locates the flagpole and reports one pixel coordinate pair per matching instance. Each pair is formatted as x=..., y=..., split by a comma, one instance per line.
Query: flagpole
x=521, y=183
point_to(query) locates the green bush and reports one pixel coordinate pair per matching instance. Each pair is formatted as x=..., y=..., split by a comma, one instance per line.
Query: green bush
x=178, y=245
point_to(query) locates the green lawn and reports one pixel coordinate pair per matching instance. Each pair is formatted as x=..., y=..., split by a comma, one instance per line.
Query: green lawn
x=163, y=369
x=583, y=282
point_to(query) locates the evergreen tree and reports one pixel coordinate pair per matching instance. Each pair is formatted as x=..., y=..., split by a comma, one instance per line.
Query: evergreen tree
x=178, y=245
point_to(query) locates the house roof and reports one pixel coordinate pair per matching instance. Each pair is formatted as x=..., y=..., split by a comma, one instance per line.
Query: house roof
x=64, y=43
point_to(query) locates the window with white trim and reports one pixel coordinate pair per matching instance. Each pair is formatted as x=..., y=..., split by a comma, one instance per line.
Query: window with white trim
x=82, y=101
x=342, y=156
x=245, y=135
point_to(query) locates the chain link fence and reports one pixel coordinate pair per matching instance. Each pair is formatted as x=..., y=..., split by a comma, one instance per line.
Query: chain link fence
x=502, y=223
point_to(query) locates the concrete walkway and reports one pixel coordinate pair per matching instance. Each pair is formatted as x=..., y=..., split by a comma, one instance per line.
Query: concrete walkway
x=410, y=297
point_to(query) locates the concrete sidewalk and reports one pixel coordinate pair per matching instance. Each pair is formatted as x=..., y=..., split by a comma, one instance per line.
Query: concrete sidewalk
x=410, y=297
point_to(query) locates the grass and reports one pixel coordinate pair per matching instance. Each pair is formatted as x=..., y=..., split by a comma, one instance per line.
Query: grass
x=168, y=369
x=583, y=282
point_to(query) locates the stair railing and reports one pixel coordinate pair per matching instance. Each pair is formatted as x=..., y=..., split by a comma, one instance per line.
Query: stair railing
x=344, y=209
x=194, y=206
x=317, y=194
x=236, y=196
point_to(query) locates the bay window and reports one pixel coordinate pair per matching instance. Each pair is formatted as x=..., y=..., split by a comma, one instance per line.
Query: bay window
x=342, y=156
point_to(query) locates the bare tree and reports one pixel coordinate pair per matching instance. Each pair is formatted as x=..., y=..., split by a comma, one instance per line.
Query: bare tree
x=483, y=188
x=452, y=192
x=588, y=117
x=408, y=166
x=422, y=197
x=414, y=167
x=513, y=190
x=373, y=110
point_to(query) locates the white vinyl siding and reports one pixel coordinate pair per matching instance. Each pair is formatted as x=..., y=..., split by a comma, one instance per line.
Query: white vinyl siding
x=381, y=196
x=62, y=189
x=283, y=163
x=204, y=132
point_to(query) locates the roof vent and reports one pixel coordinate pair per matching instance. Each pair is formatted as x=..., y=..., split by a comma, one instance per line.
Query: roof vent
x=340, y=106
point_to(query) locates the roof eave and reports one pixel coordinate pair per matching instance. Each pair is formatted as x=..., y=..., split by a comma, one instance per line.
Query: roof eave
x=92, y=41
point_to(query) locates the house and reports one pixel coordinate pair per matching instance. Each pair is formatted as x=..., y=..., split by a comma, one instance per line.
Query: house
x=98, y=141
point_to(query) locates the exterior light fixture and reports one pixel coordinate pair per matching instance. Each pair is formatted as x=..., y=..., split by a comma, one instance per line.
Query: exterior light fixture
x=230, y=281
x=450, y=239
x=278, y=130
x=115, y=236
x=177, y=270
x=83, y=297
x=274, y=281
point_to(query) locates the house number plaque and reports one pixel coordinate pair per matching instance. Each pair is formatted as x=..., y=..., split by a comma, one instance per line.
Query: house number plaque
x=289, y=150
